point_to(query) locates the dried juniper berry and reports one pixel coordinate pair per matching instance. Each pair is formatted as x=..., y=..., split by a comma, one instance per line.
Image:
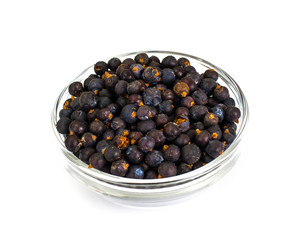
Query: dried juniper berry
x=79, y=115
x=205, y=158
x=68, y=103
x=183, y=62
x=134, y=155
x=88, y=139
x=122, y=132
x=152, y=96
x=62, y=125
x=103, y=102
x=129, y=113
x=187, y=102
x=158, y=137
x=171, y=153
x=167, y=94
x=211, y=73
x=144, y=112
x=120, y=69
x=189, y=69
x=104, y=115
x=121, y=142
x=142, y=58
x=96, y=85
x=101, y=146
x=183, y=122
x=88, y=100
x=202, y=138
x=166, y=107
x=218, y=110
x=190, y=153
x=135, y=98
x=227, y=136
x=169, y=62
x=208, y=85
x=191, y=133
x=72, y=143
x=127, y=75
x=112, y=153
x=108, y=135
x=184, y=168
x=161, y=120
x=119, y=167
x=111, y=80
x=92, y=115
x=197, y=165
x=154, y=158
x=154, y=65
x=214, y=148
x=195, y=76
x=230, y=102
x=151, y=75
x=65, y=113
x=232, y=114
x=181, y=89
x=75, y=89
x=221, y=93
x=85, y=154
x=146, y=144
x=97, y=160
x=168, y=76
x=182, y=140
x=134, y=87
x=210, y=119
x=191, y=84
x=117, y=123
x=199, y=96
x=113, y=63
x=137, y=70
x=145, y=126
x=100, y=68
x=198, y=125
x=88, y=79
x=154, y=59
x=106, y=93
x=171, y=131
x=160, y=86
x=166, y=169
x=128, y=61
x=78, y=127
x=212, y=102
x=182, y=111
x=151, y=174
x=136, y=172
x=113, y=108
x=135, y=136
x=197, y=112
x=179, y=72
x=121, y=87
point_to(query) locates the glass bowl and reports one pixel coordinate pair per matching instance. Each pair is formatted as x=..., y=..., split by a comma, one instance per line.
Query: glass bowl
x=156, y=192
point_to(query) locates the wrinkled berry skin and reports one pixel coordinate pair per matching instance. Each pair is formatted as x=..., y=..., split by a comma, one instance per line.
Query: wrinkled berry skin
x=171, y=131
x=88, y=100
x=208, y=85
x=97, y=161
x=146, y=144
x=161, y=120
x=168, y=76
x=100, y=68
x=172, y=153
x=232, y=114
x=62, y=125
x=218, y=110
x=167, y=169
x=200, y=97
x=136, y=172
x=154, y=158
x=75, y=89
x=129, y=113
x=134, y=155
x=112, y=153
x=119, y=168
x=137, y=70
x=79, y=115
x=142, y=58
x=104, y=115
x=152, y=97
x=151, y=75
x=190, y=153
x=214, y=148
x=210, y=119
x=158, y=137
x=78, y=127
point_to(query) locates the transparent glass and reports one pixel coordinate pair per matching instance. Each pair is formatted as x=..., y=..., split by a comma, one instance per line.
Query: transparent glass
x=155, y=192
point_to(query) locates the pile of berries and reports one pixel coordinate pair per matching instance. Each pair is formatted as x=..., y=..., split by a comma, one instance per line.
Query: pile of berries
x=146, y=118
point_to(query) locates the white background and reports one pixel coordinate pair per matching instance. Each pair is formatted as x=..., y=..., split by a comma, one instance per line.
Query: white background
x=261, y=44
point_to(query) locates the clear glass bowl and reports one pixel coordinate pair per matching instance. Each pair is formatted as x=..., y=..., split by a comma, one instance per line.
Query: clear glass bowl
x=156, y=192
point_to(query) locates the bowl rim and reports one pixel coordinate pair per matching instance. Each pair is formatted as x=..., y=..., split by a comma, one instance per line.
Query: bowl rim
x=216, y=163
